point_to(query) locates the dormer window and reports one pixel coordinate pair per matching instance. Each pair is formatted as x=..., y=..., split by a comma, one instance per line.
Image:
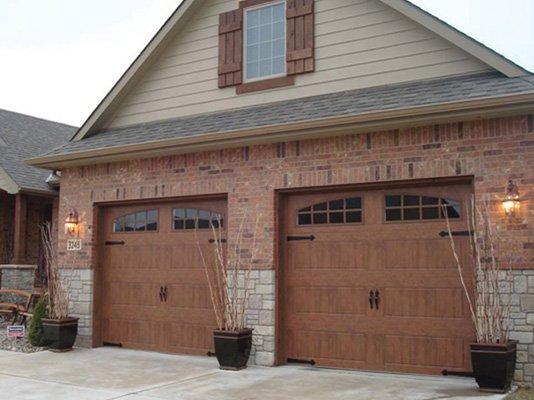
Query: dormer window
x=265, y=41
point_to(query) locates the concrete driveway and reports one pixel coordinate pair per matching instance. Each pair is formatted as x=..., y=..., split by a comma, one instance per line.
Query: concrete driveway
x=109, y=373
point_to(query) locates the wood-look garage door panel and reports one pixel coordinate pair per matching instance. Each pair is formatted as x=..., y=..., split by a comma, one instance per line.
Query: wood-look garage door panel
x=135, y=275
x=425, y=326
x=189, y=339
x=404, y=254
x=330, y=254
x=439, y=278
x=416, y=351
x=426, y=302
x=189, y=295
x=137, y=266
x=195, y=316
x=135, y=256
x=327, y=300
x=132, y=294
x=136, y=333
x=183, y=257
x=421, y=323
x=135, y=313
x=328, y=345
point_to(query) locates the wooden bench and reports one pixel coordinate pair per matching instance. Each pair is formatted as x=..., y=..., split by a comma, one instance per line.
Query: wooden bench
x=13, y=308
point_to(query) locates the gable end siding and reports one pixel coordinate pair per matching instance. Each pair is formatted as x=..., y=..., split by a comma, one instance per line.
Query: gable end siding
x=358, y=44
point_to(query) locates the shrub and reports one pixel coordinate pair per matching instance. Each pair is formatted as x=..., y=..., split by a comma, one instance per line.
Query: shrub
x=35, y=334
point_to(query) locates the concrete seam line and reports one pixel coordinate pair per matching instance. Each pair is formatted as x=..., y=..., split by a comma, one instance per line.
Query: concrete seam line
x=192, y=378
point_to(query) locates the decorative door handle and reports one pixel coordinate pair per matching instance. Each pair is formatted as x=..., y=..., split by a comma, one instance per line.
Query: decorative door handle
x=165, y=293
x=371, y=298
x=377, y=299
x=161, y=294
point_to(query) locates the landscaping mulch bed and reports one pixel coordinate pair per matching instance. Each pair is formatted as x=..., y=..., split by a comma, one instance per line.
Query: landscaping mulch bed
x=19, y=345
x=522, y=394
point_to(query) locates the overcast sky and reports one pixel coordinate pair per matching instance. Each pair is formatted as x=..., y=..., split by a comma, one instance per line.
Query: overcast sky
x=58, y=58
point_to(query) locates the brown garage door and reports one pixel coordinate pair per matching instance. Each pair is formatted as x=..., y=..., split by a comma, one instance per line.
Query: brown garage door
x=155, y=293
x=370, y=283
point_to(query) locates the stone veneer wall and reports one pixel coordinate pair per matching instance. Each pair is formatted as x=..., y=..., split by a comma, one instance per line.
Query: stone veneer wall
x=491, y=151
x=260, y=314
x=521, y=287
x=80, y=287
x=19, y=277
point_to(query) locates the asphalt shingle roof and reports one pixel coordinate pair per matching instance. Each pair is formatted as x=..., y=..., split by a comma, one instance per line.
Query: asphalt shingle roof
x=23, y=137
x=348, y=103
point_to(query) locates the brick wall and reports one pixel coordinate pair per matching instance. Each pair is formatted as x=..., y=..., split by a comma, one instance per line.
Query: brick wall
x=491, y=150
x=7, y=209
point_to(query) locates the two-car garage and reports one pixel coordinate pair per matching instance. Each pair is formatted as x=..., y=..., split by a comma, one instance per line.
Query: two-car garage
x=365, y=280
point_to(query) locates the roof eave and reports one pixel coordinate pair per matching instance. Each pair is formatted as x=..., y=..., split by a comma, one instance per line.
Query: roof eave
x=382, y=120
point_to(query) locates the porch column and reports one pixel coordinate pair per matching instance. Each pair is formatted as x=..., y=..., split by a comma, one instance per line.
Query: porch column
x=19, y=239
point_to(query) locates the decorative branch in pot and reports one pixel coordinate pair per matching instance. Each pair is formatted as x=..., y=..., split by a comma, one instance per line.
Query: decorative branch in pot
x=59, y=330
x=228, y=270
x=493, y=355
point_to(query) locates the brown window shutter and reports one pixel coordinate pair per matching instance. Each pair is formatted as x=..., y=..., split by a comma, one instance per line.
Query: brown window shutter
x=300, y=37
x=231, y=48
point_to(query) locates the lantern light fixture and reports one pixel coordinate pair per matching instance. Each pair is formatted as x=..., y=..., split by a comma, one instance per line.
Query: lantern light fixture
x=71, y=223
x=511, y=200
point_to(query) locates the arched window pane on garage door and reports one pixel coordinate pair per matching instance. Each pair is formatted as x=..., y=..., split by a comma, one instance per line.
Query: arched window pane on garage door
x=192, y=218
x=333, y=212
x=399, y=208
x=141, y=221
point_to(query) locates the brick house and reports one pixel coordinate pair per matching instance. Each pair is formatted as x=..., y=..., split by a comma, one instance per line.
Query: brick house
x=27, y=195
x=345, y=126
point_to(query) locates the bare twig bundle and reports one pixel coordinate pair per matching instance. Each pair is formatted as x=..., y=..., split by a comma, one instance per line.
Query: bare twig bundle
x=492, y=258
x=56, y=292
x=228, y=275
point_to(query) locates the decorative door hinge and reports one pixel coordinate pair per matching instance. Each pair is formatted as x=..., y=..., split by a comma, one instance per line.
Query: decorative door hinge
x=217, y=240
x=456, y=233
x=299, y=361
x=300, y=238
x=115, y=243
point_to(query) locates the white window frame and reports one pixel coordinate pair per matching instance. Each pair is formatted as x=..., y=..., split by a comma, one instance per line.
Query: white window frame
x=245, y=44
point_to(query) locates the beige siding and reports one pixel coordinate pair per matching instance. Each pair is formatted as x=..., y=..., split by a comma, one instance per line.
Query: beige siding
x=359, y=44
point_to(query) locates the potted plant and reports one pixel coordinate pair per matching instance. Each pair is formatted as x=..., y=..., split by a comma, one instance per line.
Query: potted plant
x=493, y=354
x=59, y=329
x=228, y=276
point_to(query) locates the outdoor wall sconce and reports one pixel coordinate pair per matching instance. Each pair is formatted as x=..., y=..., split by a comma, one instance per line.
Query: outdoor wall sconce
x=71, y=223
x=511, y=200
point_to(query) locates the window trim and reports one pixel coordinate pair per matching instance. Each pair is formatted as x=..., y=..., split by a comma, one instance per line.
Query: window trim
x=157, y=209
x=273, y=77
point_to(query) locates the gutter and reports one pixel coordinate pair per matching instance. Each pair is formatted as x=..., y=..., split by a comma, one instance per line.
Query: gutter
x=489, y=107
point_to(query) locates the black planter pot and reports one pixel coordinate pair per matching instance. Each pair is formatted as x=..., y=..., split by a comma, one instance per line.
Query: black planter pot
x=233, y=349
x=494, y=365
x=60, y=335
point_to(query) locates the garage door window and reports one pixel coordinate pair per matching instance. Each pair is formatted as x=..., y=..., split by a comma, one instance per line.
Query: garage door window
x=334, y=212
x=192, y=218
x=416, y=208
x=142, y=221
